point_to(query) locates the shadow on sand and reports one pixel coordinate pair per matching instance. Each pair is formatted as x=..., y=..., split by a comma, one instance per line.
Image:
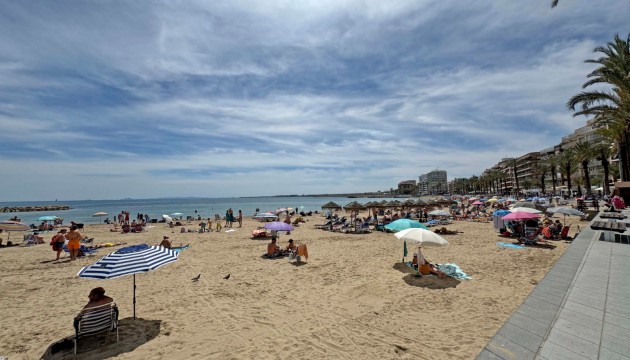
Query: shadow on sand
x=425, y=281
x=132, y=333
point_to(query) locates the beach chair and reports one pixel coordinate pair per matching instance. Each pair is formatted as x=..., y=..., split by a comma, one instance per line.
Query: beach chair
x=87, y=241
x=530, y=237
x=565, y=232
x=217, y=217
x=96, y=320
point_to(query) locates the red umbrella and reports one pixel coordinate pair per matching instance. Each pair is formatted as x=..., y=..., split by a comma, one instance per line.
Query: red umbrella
x=520, y=215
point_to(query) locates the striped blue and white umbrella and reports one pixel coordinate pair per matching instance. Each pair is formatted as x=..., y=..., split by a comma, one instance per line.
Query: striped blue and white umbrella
x=129, y=260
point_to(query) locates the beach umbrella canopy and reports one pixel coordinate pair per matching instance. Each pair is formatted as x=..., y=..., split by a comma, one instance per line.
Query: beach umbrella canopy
x=478, y=202
x=177, y=214
x=402, y=224
x=278, y=226
x=265, y=215
x=439, y=213
x=525, y=204
x=525, y=209
x=520, y=215
x=421, y=237
x=493, y=200
x=501, y=213
x=9, y=226
x=129, y=260
x=100, y=215
x=47, y=218
x=565, y=211
x=331, y=205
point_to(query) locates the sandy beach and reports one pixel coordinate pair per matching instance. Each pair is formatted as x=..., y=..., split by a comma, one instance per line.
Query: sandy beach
x=351, y=300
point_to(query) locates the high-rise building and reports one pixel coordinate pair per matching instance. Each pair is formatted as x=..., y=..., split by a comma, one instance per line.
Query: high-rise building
x=433, y=182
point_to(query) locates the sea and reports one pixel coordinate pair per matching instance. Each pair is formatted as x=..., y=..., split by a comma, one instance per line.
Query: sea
x=82, y=211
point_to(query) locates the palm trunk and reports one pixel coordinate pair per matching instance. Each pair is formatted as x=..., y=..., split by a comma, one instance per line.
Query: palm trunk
x=553, y=179
x=606, y=176
x=624, y=171
x=587, y=178
x=568, y=167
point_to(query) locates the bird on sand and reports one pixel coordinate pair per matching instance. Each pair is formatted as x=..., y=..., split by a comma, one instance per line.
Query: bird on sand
x=195, y=279
x=227, y=276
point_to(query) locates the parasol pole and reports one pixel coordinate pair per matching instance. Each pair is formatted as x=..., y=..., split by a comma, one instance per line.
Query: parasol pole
x=134, y=296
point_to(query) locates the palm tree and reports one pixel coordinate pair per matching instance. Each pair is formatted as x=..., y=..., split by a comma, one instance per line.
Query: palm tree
x=602, y=152
x=514, y=163
x=566, y=161
x=552, y=162
x=610, y=108
x=584, y=152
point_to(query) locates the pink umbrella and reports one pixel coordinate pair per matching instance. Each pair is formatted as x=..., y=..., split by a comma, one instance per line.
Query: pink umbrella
x=477, y=203
x=520, y=215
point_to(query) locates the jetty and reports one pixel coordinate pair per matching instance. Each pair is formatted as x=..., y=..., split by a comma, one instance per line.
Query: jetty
x=11, y=209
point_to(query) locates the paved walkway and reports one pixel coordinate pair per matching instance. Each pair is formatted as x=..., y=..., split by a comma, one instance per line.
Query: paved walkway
x=579, y=310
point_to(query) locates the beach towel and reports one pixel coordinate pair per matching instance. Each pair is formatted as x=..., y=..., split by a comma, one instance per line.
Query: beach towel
x=303, y=251
x=180, y=248
x=513, y=246
x=453, y=271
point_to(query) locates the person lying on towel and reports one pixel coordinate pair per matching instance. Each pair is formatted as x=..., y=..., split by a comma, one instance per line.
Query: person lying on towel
x=432, y=268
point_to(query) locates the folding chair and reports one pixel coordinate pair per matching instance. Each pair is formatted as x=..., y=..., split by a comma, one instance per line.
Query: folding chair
x=95, y=320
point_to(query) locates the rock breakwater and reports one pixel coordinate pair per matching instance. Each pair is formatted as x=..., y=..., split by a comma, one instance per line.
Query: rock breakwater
x=10, y=209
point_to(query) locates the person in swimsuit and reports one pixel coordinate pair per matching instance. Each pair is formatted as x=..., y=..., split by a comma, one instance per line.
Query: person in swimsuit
x=74, y=242
x=272, y=249
x=291, y=247
x=58, y=241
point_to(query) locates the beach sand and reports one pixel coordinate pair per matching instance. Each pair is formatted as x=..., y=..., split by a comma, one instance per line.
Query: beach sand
x=351, y=300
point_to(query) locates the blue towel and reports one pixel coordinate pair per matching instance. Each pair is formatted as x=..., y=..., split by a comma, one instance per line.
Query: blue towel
x=514, y=246
x=453, y=271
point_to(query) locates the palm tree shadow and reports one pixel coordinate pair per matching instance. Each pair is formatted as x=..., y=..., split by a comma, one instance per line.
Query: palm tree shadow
x=132, y=334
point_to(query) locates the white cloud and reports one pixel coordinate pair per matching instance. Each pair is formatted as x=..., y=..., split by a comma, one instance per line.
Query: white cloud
x=260, y=98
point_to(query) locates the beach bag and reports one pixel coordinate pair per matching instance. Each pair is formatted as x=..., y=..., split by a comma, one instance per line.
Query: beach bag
x=425, y=269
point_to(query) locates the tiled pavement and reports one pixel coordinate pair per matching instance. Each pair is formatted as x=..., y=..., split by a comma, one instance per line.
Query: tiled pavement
x=579, y=310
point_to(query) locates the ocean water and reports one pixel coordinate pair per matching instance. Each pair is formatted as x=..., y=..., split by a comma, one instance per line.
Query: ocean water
x=82, y=211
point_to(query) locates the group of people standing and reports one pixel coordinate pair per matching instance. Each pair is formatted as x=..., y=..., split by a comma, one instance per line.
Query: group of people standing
x=229, y=218
x=74, y=242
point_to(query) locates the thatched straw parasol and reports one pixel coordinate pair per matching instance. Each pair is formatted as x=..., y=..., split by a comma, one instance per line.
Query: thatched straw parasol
x=331, y=205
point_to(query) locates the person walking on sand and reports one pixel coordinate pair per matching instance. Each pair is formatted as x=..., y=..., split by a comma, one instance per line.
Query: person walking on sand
x=231, y=216
x=240, y=218
x=227, y=218
x=74, y=242
x=58, y=241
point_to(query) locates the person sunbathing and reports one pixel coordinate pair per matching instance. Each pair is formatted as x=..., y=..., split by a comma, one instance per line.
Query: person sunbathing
x=166, y=243
x=445, y=231
x=432, y=268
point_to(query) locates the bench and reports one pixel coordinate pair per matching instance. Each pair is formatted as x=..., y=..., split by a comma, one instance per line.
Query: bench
x=95, y=320
x=609, y=226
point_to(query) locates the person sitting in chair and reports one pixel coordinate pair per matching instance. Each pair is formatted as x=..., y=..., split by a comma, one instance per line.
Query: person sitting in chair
x=97, y=297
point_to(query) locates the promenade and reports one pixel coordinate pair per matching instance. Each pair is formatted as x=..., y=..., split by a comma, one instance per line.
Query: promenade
x=578, y=311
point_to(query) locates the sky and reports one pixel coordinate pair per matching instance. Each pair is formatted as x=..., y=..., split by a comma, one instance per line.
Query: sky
x=147, y=99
